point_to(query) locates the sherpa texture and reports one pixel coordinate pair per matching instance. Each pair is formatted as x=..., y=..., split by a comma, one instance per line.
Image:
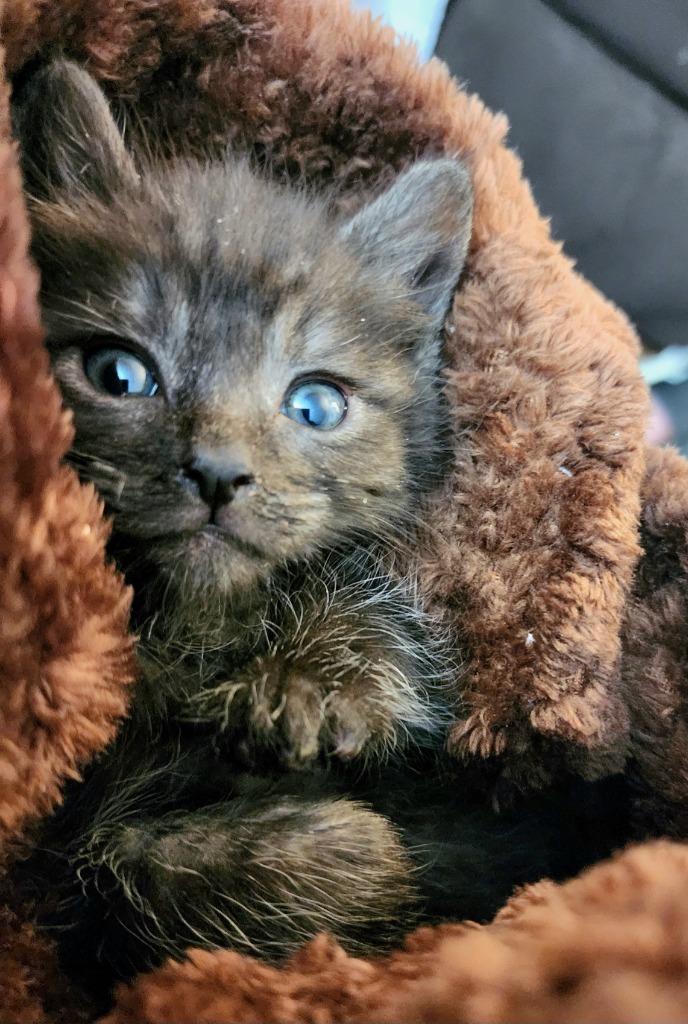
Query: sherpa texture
x=557, y=550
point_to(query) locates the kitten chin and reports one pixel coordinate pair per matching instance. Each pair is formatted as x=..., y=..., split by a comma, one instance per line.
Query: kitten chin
x=195, y=585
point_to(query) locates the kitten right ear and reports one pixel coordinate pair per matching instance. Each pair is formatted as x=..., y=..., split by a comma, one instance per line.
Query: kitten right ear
x=68, y=138
x=418, y=231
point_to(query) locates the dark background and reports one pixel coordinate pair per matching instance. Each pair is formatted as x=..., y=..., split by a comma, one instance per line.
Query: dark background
x=596, y=92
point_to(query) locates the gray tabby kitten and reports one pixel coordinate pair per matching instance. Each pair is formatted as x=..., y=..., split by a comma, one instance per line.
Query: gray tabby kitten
x=255, y=389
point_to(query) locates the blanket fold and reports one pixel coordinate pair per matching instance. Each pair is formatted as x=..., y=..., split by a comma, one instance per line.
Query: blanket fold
x=556, y=550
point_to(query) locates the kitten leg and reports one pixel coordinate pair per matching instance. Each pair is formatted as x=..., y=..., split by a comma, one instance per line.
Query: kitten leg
x=354, y=667
x=259, y=876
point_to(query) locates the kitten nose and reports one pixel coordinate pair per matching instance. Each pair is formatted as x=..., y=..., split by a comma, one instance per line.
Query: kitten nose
x=219, y=477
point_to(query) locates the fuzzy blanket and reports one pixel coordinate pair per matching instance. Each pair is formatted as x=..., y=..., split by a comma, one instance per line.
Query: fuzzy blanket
x=557, y=550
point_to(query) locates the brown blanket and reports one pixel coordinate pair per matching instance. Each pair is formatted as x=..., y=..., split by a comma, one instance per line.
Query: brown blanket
x=557, y=549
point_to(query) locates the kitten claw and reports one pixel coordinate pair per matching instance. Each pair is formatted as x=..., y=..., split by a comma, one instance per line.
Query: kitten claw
x=347, y=748
x=297, y=758
x=274, y=715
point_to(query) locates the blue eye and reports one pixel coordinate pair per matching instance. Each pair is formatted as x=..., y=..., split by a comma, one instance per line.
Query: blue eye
x=120, y=373
x=315, y=404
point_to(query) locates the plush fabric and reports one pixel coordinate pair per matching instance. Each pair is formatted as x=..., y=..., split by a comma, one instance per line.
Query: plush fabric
x=556, y=550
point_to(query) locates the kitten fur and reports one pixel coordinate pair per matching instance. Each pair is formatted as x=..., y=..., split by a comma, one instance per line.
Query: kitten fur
x=276, y=633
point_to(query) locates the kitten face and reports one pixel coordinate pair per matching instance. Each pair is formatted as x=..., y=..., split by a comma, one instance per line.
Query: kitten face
x=243, y=314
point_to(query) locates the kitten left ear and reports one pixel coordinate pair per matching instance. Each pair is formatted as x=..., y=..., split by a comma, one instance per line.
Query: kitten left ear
x=69, y=140
x=418, y=230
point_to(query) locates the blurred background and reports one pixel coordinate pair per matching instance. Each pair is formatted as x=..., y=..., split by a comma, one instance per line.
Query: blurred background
x=596, y=92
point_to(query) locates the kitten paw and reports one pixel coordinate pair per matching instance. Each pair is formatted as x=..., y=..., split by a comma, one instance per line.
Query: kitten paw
x=301, y=717
x=262, y=876
x=296, y=715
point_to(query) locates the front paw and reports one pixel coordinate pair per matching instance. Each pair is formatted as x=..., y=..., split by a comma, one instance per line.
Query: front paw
x=295, y=714
x=262, y=875
x=300, y=717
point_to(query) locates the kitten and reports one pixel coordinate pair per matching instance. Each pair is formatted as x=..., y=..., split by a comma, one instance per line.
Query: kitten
x=255, y=390
x=255, y=386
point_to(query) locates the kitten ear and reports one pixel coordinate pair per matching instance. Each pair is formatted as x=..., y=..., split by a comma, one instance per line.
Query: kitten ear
x=68, y=137
x=418, y=230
